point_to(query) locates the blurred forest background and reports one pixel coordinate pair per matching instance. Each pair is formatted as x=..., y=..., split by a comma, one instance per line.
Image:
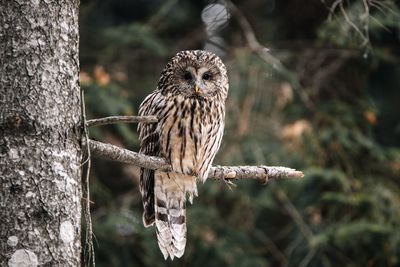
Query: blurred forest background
x=325, y=99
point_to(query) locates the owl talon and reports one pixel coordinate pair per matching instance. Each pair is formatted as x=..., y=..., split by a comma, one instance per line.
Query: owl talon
x=229, y=183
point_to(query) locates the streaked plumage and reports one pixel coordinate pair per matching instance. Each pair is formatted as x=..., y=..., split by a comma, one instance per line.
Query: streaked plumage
x=189, y=102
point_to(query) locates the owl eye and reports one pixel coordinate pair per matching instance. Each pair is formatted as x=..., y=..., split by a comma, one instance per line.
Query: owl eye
x=206, y=76
x=187, y=76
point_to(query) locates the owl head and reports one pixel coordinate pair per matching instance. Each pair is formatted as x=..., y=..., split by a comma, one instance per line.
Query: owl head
x=195, y=74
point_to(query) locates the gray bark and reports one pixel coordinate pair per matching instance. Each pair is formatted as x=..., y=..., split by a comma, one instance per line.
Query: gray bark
x=120, y=119
x=40, y=119
x=262, y=173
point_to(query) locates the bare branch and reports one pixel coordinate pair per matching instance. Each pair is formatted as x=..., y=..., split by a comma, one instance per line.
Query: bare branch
x=350, y=22
x=119, y=119
x=333, y=8
x=114, y=153
x=263, y=173
x=251, y=39
x=263, y=52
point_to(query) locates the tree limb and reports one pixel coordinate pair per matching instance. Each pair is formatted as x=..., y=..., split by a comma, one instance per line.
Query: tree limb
x=115, y=153
x=263, y=173
x=119, y=119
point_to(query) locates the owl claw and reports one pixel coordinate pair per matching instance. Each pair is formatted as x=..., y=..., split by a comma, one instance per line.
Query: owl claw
x=229, y=183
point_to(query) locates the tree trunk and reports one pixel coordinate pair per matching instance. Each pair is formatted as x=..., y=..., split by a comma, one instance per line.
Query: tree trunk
x=40, y=118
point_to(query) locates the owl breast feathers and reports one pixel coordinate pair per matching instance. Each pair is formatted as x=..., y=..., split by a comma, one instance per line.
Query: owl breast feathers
x=189, y=102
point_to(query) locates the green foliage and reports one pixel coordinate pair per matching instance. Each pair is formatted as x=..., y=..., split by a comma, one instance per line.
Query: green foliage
x=330, y=110
x=133, y=36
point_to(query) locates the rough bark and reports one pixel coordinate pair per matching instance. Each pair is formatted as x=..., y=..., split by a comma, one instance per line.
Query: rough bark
x=40, y=118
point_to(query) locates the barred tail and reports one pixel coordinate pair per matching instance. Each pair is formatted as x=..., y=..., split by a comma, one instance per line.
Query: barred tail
x=170, y=211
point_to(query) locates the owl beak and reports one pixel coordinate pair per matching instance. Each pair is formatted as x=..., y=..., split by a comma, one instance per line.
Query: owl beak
x=196, y=89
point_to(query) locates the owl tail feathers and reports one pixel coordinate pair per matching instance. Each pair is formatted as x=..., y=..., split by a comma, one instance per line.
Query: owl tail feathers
x=170, y=214
x=171, y=224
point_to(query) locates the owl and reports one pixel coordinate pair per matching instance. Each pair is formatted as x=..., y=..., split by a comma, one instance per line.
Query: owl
x=189, y=102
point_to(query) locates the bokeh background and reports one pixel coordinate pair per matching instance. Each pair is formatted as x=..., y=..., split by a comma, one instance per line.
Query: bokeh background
x=324, y=99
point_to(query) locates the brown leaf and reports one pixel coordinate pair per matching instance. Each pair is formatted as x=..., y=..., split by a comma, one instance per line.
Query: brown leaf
x=101, y=76
x=370, y=116
x=295, y=130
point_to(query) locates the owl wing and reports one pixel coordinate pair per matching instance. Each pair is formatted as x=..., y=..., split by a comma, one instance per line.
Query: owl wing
x=149, y=145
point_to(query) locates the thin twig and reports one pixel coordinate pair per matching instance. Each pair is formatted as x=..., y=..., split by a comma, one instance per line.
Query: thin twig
x=272, y=247
x=350, y=22
x=263, y=52
x=86, y=195
x=332, y=8
x=119, y=119
x=251, y=39
x=262, y=173
x=295, y=214
x=305, y=229
x=367, y=17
